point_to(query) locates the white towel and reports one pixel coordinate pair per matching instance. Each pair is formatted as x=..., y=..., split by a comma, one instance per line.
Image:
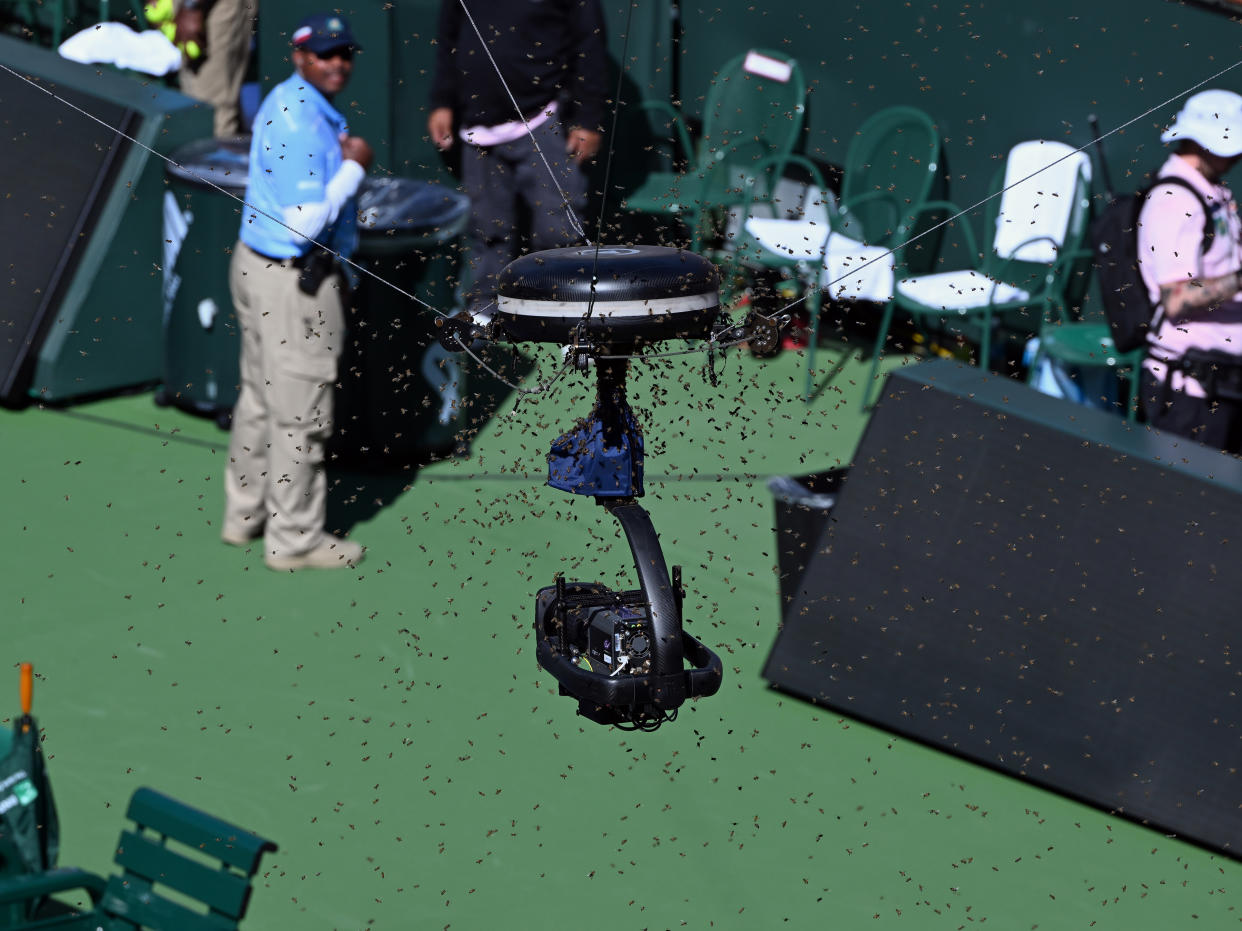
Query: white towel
x=801, y=240
x=856, y=272
x=960, y=291
x=116, y=44
x=851, y=270
x=1038, y=208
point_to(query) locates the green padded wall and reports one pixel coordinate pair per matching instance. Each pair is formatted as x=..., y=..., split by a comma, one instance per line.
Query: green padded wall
x=387, y=97
x=103, y=330
x=991, y=74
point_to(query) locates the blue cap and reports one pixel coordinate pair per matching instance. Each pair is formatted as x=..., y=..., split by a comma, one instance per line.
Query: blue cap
x=323, y=32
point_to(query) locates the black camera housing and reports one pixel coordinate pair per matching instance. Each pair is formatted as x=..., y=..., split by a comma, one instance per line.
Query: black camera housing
x=624, y=656
x=630, y=688
x=597, y=628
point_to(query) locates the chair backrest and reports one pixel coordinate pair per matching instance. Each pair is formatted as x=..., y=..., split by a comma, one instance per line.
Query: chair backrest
x=892, y=167
x=755, y=108
x=181, y=848
x=1043, y=203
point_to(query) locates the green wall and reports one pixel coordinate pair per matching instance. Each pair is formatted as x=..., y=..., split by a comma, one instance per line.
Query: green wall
x=387, y=98
x=106, y=330
x=990, y=73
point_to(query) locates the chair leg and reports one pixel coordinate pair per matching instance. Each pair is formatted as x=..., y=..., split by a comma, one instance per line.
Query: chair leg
x=985, y=344
x=880, y=341
x=814, y=301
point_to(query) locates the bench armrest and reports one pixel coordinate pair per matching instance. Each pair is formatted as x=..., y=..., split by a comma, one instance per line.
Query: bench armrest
x=38, y=885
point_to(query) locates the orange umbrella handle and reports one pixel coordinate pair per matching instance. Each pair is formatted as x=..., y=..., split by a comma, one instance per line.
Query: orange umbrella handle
x=27, y=687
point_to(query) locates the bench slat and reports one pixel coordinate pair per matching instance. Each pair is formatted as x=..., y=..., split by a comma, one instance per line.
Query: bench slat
x=219, y=890
x=132, y=902
x=213, y=836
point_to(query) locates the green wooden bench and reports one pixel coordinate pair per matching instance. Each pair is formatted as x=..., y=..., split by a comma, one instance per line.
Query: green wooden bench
x=172, y=846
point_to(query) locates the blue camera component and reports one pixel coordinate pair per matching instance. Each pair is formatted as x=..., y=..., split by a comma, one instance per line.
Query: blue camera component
x=602, y=456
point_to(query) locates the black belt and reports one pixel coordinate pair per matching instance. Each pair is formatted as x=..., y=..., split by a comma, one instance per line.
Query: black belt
x=270, y=258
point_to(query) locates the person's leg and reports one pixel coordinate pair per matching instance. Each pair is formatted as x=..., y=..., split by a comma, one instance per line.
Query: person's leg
x=305, y=337
x=1233, y=440
x=553, y=211
x=217, y=77
x=488, y=180
x=245, y=479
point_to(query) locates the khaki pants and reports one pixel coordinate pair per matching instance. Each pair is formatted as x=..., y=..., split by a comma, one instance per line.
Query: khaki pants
x=217, y=77
x=291, y=343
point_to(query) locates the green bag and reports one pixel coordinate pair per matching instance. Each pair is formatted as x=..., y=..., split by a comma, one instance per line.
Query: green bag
x=29, y=829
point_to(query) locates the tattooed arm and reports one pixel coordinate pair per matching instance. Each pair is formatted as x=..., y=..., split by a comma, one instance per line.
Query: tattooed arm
x=1182, y=296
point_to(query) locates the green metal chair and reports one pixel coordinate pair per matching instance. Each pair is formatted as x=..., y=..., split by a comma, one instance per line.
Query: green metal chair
x=1088, y=344
x=150, y=865
x=752, y=119
x=851, y=246
x=1038, y=219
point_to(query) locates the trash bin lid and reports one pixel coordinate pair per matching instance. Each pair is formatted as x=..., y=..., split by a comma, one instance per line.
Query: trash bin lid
x=410, y=210
x=206, y=162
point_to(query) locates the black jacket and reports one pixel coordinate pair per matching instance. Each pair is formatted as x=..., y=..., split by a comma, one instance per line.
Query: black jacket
x=546, y=49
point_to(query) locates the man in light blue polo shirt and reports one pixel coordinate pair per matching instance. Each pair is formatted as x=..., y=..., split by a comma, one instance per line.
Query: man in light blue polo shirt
x=288, y=290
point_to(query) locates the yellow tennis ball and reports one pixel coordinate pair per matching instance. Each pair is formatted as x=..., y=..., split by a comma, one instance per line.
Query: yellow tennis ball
x=191, y=49
x=159, y=12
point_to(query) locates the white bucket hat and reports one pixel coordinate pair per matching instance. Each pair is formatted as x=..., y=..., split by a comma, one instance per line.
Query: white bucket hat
x=1211, y=118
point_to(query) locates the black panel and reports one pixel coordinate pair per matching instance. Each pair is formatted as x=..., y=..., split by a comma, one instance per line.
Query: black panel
x=56, y=168
x=1036, y=586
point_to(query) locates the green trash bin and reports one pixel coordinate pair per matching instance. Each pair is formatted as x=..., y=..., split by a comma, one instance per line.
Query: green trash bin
x=399, y=392
x=202, y=214
x=403, y=397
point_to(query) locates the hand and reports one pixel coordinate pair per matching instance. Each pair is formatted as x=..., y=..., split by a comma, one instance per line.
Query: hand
x=440, y=128
x=190, y=27
x=583, y=144
x=356, y=149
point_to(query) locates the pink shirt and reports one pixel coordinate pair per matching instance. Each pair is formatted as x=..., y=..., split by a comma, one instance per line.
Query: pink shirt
x=1170, y=234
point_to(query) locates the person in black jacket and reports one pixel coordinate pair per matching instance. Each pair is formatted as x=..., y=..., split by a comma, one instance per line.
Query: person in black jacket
x=528, y=130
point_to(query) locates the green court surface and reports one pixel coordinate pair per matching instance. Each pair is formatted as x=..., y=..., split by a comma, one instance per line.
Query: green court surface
x=388, y=726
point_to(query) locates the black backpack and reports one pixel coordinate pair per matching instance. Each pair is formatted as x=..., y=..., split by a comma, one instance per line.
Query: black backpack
x=1114, y=236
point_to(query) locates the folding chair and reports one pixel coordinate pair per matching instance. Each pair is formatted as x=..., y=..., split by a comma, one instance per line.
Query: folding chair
x=1038, y=219
x=1086, y=345
x=752, y=120
x=851, y=247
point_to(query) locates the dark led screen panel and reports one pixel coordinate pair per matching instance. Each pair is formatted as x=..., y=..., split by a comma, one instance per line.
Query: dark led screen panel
x=1035, y=586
